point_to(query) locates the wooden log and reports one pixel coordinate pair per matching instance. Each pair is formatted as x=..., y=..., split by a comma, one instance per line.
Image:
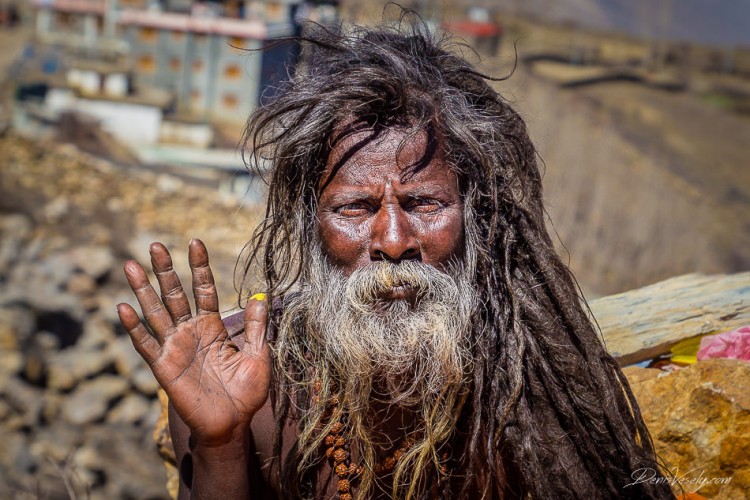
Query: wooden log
x=642, y=324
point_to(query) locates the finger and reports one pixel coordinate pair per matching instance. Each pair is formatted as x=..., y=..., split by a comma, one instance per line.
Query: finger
x=256, y=318
x=204, y=289
x=153, y=309
x=143, y=341
x=172, y=294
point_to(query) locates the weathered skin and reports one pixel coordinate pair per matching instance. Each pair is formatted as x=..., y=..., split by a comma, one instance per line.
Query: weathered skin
x=218, y=389
x=367, y=213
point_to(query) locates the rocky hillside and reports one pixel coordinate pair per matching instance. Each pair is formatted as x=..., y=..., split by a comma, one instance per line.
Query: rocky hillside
x=641, y=184
x=77, y=404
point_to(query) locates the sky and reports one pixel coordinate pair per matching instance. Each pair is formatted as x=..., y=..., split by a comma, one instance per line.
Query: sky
x=713, y=22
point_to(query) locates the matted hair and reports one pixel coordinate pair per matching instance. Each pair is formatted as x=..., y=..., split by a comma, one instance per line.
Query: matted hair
x=550, y=413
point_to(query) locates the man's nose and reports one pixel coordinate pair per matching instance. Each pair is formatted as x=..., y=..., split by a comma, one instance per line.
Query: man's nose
x=392, y=237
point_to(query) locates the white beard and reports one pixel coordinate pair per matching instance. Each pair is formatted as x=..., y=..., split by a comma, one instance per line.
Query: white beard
x=403, y=350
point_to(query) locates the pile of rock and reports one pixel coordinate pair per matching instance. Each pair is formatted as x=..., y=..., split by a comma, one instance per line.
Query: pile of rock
x=77, y=403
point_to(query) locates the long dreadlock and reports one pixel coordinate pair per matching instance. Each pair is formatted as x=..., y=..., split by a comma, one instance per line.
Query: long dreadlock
x=550, y=414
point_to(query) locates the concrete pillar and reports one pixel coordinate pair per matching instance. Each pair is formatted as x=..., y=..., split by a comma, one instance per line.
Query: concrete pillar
x=90, y=30
x=43, y=21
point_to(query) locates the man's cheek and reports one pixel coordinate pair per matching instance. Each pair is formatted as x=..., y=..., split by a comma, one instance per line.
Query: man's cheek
x=346, y=249
x=442, y=240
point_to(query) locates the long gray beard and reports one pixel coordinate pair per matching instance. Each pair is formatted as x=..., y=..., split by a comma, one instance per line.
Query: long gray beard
x=398, y=351
x=338, y=341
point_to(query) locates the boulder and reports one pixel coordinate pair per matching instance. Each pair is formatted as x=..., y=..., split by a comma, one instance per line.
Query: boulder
x=14, y=231
x=699, y=419
x=66, y=368
x=5, y=410
x=94, y=261
x=56, y=442
x=11, y=363
x=41, y=347
x=15, y=456
x=126, y=359
x=81, y=284
x=124, y=460
x=98, y=333
x=132, y=410
x=16, y=326
x=25, y=401
x=92, y=398
x=144, y=381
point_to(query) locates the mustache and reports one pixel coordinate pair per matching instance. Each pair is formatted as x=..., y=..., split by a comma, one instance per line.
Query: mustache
x=366, y=285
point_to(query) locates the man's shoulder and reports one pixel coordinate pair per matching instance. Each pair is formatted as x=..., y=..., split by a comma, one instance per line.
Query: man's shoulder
x=234, y=321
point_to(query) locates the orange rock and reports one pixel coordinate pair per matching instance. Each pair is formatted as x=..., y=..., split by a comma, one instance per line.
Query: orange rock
x=699, y=419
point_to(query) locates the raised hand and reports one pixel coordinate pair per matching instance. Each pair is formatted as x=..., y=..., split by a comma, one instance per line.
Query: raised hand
x=215, y=386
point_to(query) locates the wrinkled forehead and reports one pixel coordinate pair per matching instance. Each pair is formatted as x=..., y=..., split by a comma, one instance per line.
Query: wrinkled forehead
x=413, y=149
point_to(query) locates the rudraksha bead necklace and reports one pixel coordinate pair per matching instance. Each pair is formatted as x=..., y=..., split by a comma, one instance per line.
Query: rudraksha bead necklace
x=338, y=455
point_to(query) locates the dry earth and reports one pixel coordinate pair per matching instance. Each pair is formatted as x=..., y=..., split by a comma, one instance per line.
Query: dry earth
x=642, y=184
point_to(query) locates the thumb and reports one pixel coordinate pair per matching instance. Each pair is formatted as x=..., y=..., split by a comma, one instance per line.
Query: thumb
x=256, y=319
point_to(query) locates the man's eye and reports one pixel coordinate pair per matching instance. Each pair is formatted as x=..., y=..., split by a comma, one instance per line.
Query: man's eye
x=424, y=205
x=353, y=209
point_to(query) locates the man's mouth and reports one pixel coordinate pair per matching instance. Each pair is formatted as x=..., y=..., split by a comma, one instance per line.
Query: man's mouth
x=399, y=291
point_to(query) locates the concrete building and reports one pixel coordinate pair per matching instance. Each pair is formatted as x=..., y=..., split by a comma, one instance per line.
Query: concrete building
x=208, y=62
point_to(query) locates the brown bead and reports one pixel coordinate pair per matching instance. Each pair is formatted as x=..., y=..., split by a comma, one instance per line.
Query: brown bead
x=344, y=486
x=329, y=440
x=335, y=400
x=339, y=442
x=398, y=454
x=342, y=470
x=345, y=496
x=339, y=455
x=378, y=469
x=337, y=427
x=389, y=463
x=330, y=451
x=358, y=470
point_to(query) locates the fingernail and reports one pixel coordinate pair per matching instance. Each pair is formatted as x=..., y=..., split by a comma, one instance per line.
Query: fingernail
x=258, y=296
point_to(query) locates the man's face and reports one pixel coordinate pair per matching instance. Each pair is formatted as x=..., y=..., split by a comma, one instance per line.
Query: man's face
x=367, y=214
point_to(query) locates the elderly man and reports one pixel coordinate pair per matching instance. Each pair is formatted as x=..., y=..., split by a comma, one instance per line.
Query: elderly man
x=419, y=336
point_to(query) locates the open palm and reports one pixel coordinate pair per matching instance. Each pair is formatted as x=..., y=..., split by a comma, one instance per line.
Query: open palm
x=214, y=385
